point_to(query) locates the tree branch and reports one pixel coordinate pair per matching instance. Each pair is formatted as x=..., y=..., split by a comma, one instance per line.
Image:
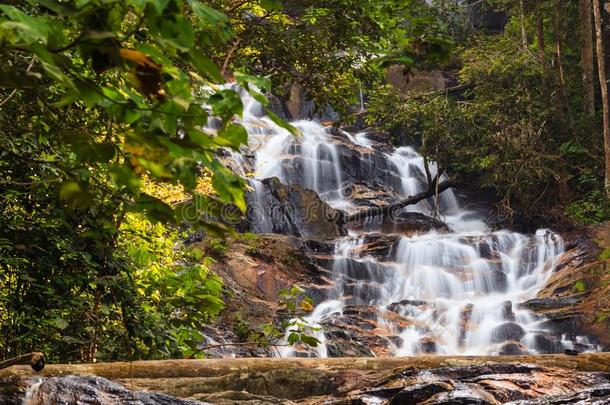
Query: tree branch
x=435, y=188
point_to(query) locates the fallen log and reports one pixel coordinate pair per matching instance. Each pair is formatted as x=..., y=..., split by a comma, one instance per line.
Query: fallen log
x=388, y=210
x=292, y=378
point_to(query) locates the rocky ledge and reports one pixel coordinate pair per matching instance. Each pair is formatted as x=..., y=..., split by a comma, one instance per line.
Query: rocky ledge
x=576, y=299
x=551, y=379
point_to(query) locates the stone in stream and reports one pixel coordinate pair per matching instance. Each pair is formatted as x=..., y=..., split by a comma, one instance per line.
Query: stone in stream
x=507, y=311
x=507, y=331
x=512, y=349
x=491, y=384
x=547, y=343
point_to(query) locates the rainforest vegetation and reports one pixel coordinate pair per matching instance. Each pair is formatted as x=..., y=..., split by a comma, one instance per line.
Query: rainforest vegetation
x=107, y=165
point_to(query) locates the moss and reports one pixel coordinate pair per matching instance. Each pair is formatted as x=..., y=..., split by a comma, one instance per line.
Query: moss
x=290, y=261
x=580, y=286
x=605, y=254
x=216, y=247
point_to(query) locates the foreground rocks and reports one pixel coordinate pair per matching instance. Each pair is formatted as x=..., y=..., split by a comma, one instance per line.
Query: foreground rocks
x=556, y=379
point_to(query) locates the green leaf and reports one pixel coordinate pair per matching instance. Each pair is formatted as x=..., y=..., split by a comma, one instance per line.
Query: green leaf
x=226, y=104
x=160, y=5
x=75, y=195
x=233, y=136
x=401, y=60
x=271, y=5
x=280, y=122
x=309, y=340
x=206, y=68
x=263, y=83
x=293, y=338
x=207, y=15
x=155, y=209
x=61, y=323
x=26, y=29
x=124, y=176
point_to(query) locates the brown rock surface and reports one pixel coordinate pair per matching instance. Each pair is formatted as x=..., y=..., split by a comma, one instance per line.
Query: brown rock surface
x=576, y=299
x=425, y=379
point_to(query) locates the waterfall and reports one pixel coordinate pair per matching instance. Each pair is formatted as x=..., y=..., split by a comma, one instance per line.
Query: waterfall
x=458, y=292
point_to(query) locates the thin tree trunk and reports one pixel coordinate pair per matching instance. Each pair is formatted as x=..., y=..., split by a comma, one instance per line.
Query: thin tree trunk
x=586, y=56
x=601, y=67
x=561, y=99
x=522, y=19
x=539, y=29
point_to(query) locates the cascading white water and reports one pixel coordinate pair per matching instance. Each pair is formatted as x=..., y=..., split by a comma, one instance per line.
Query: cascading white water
x=459, y=291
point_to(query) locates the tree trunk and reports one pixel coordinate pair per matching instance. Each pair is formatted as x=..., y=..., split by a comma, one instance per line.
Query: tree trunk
x=586, y=56
x=561, y=98
x=522, y=19
x=601, y=67
x=539, y=29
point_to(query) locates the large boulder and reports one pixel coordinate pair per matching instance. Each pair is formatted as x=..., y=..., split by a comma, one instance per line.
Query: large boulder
x=507, y=331
x=291, y=210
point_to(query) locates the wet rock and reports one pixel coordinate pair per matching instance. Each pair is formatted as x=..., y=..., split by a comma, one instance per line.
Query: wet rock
x=427, y=345
x=547, y=343
x=499, y=281
x=91, y=390
x=563, y=322
x=353, y=334
x=507, y=331
x=292, y=210
x=366, y=195
x=507, y=311
x=497, y=383
x=512, y=349
x=378, y=246
x=465, y=315
x=461, y=397
x=403, y=223
x=419, y=393
x=594, y=396
x=397, y=306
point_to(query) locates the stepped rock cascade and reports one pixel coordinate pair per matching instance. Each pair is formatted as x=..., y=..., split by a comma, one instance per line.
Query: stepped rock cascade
x=454, y=288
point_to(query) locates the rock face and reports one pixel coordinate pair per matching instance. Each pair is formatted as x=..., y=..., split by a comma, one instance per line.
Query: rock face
x=507, y=331
x=292, y=210
x=255, y=269
x=576, y=299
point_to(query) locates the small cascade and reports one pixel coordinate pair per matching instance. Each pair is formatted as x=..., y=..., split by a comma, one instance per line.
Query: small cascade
x=261, y=220
x=455, y=292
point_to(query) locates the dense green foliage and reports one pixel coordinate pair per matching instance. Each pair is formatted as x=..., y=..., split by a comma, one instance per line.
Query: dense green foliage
x=330, y=47
x=100, y=96
x=519, y=126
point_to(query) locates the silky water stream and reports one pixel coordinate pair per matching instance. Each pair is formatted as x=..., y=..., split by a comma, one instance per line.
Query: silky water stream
x=457, y=292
